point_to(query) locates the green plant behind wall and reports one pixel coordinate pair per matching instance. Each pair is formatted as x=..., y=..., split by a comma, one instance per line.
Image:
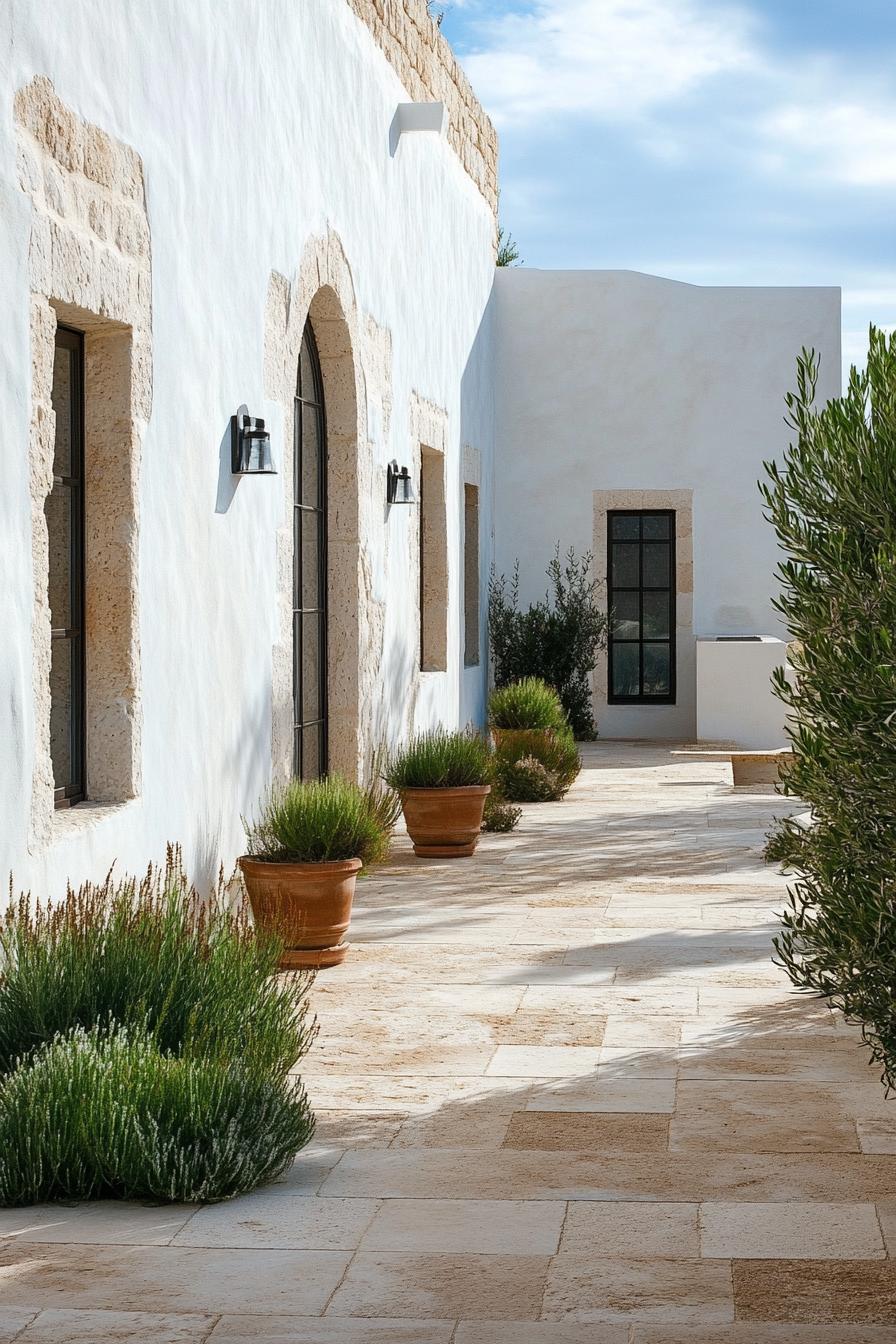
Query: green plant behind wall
x=556, y=639
x=832, y=503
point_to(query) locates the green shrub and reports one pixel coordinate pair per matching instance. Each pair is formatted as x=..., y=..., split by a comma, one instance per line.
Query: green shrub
x=499, y=816
x=536, y=767
x=199, y=977
x=556, y=639
x=319, y=821
x=440, y=760
x=103, y=1113
x=530, y=703
x=833, y=505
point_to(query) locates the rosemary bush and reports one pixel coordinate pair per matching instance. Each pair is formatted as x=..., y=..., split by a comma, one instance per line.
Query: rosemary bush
x=556, y=639
x=833, y=505
x=536, y=767
x=320, y=821
x=103, y=1113
x=530, y=703
x=440, y=760
x=145, y=1046
x=149, y=954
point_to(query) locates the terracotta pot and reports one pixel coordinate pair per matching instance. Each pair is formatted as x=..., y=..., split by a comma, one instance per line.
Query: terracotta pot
x=444, y=823
x=510, y=735
x=309, y=905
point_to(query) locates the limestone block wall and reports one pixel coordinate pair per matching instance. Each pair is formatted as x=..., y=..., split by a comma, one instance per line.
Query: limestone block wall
x=424, y=62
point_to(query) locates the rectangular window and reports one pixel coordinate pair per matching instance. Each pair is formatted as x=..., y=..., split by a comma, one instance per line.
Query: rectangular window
x=64, y=512
x=433, y=563
x=471, y=576
x=641, y=598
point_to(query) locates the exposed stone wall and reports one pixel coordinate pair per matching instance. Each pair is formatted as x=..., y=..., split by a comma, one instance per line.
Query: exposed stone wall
x=425, y=64
x=90, y=268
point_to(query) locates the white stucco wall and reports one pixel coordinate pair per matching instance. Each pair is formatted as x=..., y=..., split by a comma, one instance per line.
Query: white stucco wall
x=613, y=380
x=260, y=126
x=735, y=703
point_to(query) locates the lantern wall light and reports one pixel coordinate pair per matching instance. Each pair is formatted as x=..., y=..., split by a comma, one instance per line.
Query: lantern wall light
x=250, y=446
x=399, y=487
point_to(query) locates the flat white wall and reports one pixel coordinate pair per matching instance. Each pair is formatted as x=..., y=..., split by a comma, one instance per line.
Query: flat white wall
x=735, y=702
x=260, y=125
x=613, y=380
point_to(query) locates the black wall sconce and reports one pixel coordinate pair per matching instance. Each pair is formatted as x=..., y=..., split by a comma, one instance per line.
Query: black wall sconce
x=250, y=446
x=399, y=489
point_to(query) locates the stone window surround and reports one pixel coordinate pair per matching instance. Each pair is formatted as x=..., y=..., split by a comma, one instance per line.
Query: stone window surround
x=472, y=565
x=89, y=267
x=682, y=502
x=429, y=431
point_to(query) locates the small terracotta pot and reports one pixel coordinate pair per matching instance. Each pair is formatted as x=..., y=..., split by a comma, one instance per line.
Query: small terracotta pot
x=444, y=823
x=507, y=736
x=308, y=905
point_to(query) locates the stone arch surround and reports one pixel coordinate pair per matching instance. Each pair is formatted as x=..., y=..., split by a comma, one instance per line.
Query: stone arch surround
x=323, y=291
x=89, y=266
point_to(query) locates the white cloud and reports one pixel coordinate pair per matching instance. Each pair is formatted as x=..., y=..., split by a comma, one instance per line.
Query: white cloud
x=843, y=141
x=613, y=59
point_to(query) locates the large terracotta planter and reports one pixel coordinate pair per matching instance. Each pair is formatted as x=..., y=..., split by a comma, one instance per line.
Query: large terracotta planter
x=444, y=823
x=309, y=905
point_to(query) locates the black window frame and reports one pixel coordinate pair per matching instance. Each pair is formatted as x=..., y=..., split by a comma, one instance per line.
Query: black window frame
x=315, y=402
x=74, y=789
x=641, y=589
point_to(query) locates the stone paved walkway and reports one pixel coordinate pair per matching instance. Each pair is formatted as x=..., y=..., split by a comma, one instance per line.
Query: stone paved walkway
x=564, y=1097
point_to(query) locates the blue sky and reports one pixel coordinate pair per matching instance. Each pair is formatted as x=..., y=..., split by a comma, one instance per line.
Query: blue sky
x=741, y=143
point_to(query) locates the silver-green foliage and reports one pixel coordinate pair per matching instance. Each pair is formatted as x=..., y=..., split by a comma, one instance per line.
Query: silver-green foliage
x=319, y=821
x=149, y=953
x=440, y=760
x=103, y=1113
x=832, y=503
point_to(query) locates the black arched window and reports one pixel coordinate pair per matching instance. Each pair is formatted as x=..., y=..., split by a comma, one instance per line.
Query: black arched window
x=309, y=619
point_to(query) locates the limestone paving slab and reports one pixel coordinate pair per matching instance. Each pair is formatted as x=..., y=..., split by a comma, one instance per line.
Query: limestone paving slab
x=648, y=1231
x=184, y=1279
x=103, y=1222
x=116, y=1327
x=477, y=1287
x=457, y=1226
x=587, y=1288
x=791, y=1231
x=312, y=1330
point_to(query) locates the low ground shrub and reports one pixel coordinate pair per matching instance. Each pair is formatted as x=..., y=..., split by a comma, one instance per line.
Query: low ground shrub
x=149, y=954
x=440, y=760
x=831, y=503
x=499, y=816
x=146, y=1043
x=556, y=639
x=320, y=821
x=536, y=767
x=530, y=703
x=103, y=1113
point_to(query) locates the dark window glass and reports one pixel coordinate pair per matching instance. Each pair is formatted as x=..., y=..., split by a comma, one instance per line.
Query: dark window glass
x=309, y=566
x=641, y=589
x=64, y=512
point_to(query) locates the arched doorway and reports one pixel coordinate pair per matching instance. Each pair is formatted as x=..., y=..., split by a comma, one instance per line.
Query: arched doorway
x=309, y=569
